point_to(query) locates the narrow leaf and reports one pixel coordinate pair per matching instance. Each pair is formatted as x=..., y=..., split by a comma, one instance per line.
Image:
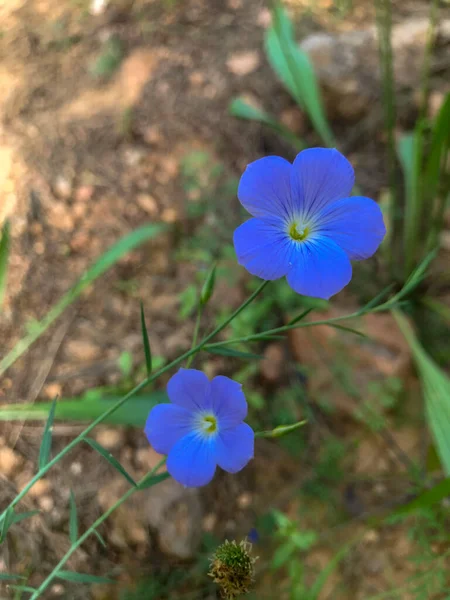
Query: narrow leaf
x=22, y=516
x=427, y=498
x=75, y=577
x=105, y=262
x=226, y=351
x=110, y=458
x=153, y=480
x=4, y=253
x=100, y=538
x=73, y=519
x=348, y=329
x=148, y=354
x=300, y=317
x=46, y=444
x=9, y=576
x=23, y=588
x=6, y=523
x=280, y=430
x=208, y=286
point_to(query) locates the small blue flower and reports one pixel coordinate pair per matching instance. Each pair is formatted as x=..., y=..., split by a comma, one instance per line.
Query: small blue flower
x=202, y=428
x=307, y=227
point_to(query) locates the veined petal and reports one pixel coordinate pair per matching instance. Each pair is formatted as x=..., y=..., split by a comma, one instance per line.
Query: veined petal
x=320, y=176
x=320, y=268
x=265, y=188
x=190, y=389
x=235, y=447
x=192, y=461
x=355, y=224
x=166, y=424
x=228, y=402
x=263, y=249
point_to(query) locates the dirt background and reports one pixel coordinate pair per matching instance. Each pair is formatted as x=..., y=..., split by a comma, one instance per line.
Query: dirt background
x=85, y=158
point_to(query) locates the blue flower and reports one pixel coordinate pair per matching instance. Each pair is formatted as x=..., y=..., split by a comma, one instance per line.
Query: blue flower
x=306, y=225
x=202, y=428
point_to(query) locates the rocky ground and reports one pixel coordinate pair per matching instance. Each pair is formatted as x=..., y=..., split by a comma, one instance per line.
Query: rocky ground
x=89, y=151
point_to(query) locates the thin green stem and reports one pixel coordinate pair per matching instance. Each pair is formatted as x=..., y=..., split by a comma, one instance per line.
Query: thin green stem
x=196, y=332
x=134, y=391
x=384, y=27
x=44, y=585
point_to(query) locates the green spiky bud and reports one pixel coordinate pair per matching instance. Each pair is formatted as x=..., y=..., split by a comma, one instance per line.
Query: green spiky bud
x=232, y=568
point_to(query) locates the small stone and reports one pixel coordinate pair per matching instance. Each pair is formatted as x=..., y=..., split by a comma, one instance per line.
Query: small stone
x=40, y=488
x=10, y=461
x=60, y=217
x=293, y=119
x=57, y=589
x=209, y=522
x=46, y=503
x=147, y=203
x=152, y=135
x=53, y=390
x=79, y=241
x=84, y=193
x=76, y=468
x=243, y=63
x=196, y=78
x=169, y=215
x=244, y=500
x=81, y=350
x=62, y=187
x=110, y=438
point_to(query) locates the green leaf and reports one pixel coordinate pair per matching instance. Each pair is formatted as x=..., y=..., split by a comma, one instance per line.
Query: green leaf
x=295, y=70
x=110, y=458
x=4, y=253
x=7, y=521
x=321, y=579
x=73, y=519
x=75, y=577
x=100, y=538
x=148, y=353
x=300, y=317
x=46, y=444
x=208, y=286
x=226, y=351
x=348, y=329
x=87, y=408
x=105, y=262
x=23, y=588
x=241, y=109
x=280, y=430
x=22, y=516
x=437, y=493
x=283, y=554
x=155, y=479
x=436, y=391
x=9, y=576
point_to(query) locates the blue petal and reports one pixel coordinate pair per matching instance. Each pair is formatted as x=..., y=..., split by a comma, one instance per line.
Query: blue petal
x=189, y=388
x=166, y=424
x=235, y=447
x=265, y=188
x=192, y=461
x=228, y=402
x=263, y=249
x=355, y=224
x=320, y=269
x=320, y=176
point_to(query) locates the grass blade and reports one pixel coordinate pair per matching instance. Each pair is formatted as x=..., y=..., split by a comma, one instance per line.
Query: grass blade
x=348, y=329
x=46, y=444
x=73, y=519
x=75, y=577
x=148, y=354
x=295, y=70
x=22, y=516
x=153, y=480
x=9, y=577
x=4, y=254
x=87, y=408
x=105, y=262
x=225, y=351
x=436, y=391
x=110, y=458
x=242, y=110
x=6, y=523
x=437, y=493
x=301, y=316
x=100, y=538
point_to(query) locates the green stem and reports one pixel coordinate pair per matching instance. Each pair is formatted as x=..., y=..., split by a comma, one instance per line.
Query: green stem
x=134, y=391
x=195, y=336
x=44, y=585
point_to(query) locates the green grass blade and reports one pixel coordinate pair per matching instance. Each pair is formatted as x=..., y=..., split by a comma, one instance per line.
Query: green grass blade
x=348, y=329
x=295, y=70
x=226, y=351
x=100, y=538
x=6, y=523
x=153, y=480
x=23, y=588
x=4, y=254
x=110, y=458
x=437, y=493
x=322, y=578
x=75, y=577
x=9, y=577
x=300, y=317
x=242, y=110
x=436, y=391
x=87, y=408
x=22, y=516
x=147, y=351
x=73, y=519
x=46, y=444
x=105, y=262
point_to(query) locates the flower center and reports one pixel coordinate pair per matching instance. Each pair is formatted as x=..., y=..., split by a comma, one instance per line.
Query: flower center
x=298, y=232
x=208, y=424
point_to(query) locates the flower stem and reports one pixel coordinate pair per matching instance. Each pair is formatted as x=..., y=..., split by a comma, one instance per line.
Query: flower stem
x=195, y=336
x=44, y=585
x=133, y=392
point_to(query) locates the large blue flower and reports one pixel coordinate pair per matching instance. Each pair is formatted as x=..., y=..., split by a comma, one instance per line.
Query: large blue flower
x=307, y=227
x=202, y=428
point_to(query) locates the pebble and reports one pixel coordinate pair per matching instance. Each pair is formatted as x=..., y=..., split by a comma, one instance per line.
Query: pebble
x=81, y=350
x=62, y=187
x=147, y=203
x=40, y=488
x=110, y=438
x=10, y=461
x=243, y=63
